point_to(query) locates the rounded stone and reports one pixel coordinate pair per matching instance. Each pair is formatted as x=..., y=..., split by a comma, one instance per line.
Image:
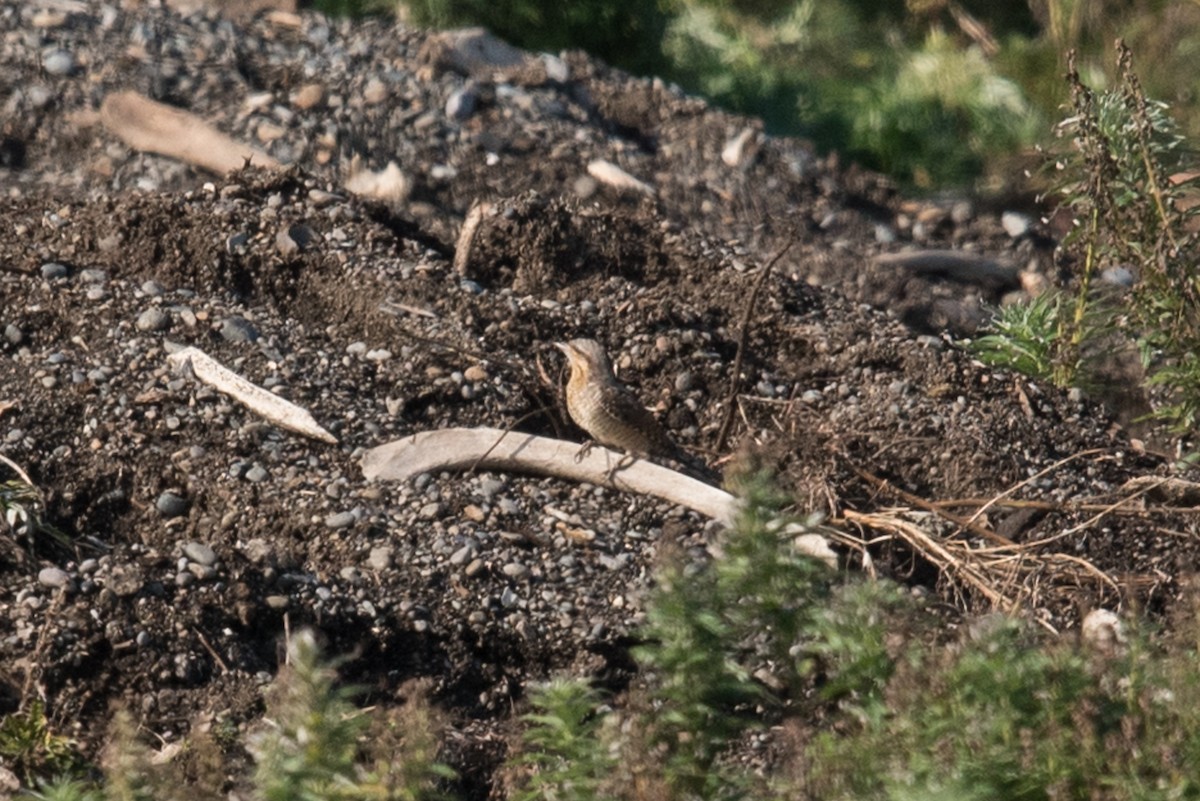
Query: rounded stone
x=52, y=270
x=54, y=577
x=153, y=320
x=200, y=553
x=58, y=63
x=339, y=520
x=171, y=505
x=380, y=558
x=516, y=570
x=238, y=329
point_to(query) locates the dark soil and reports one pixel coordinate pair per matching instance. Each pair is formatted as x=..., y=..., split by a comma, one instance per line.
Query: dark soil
x=851, y=388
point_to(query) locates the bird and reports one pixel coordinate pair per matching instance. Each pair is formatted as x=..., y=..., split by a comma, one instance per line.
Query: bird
x=607, y=410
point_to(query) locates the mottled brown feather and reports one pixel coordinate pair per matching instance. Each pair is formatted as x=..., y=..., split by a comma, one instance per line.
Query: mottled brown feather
x=607, y=410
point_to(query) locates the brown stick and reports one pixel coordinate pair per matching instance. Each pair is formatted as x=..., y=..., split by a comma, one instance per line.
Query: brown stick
x=921, y=503
x=743, y=337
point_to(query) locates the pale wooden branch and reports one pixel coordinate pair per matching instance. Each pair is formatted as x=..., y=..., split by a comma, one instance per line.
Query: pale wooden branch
x=148, y=125
x=610, y=174
x=457, y=449
x=282, y=413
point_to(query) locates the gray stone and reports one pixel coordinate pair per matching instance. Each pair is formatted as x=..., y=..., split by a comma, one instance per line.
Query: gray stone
x=200, y=553
x=339, y=520
x=1015, y=224
x=463, y=554
x=13, y=334
x=153, y=319
x=516, y=570
x=489, y=487
x=52, y=270
x=171, y=505
x=1119, y=276
x=380, y=558
x=58, y=63
x=238, y=329
x=462, y=103
x=153, y=289
x=93, y=276
x=54, y=577
x=257, y=474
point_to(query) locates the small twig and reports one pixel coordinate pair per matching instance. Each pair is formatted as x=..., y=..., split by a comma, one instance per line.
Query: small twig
x=743, y=337
x=1031, y=479
x=466, y=237
x=500, y=438
x=921, y=503
x=211, y=651
x=16, y=468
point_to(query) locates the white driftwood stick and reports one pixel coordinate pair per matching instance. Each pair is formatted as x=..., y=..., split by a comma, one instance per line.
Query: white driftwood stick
x=608, y=173
x=282, y=413
x=148, y=125
x=492, y=448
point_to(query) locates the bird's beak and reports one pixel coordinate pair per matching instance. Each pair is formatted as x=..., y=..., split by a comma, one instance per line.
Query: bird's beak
x=564, y=347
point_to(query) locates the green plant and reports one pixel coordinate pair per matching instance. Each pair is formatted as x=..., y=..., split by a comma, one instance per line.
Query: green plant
x=63, y=788
x=711, y=627
x=1129, y=211
x=307, y=750
x=939, y=115
x=32, y=750
x=1062, y=338
x=627, y=33
x=563, y=744
x=310, y=748
x=1027, y=337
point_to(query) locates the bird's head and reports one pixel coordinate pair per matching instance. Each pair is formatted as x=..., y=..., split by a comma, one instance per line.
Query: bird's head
x=586, y=355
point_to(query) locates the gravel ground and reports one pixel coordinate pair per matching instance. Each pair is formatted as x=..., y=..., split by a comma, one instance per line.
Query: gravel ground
x=200, y=533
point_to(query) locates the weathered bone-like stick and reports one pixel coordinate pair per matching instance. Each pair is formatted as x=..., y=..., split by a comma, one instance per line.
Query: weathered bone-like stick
x=282, y=413
x=148, y=125
x=493, y=448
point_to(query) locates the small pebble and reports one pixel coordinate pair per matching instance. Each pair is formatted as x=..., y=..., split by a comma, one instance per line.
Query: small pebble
x=58, y=63
x=461, y=103
x=1015, y=224
x=52, y=270
x=238, y=329
x=516, y=570
x=257, y=474
x=339, y=520
x=171, y=505
x=153, y=319
x=380, y=558
x=200, y=553
x=54, y=577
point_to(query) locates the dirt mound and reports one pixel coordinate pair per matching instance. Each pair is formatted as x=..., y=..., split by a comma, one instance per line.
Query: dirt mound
x=199, y=534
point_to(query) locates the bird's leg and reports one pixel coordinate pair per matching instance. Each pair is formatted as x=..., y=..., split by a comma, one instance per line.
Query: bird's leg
x=584, y=450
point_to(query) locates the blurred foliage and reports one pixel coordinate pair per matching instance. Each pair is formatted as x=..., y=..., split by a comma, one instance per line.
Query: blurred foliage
x=625, y=33
x=932, y=91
